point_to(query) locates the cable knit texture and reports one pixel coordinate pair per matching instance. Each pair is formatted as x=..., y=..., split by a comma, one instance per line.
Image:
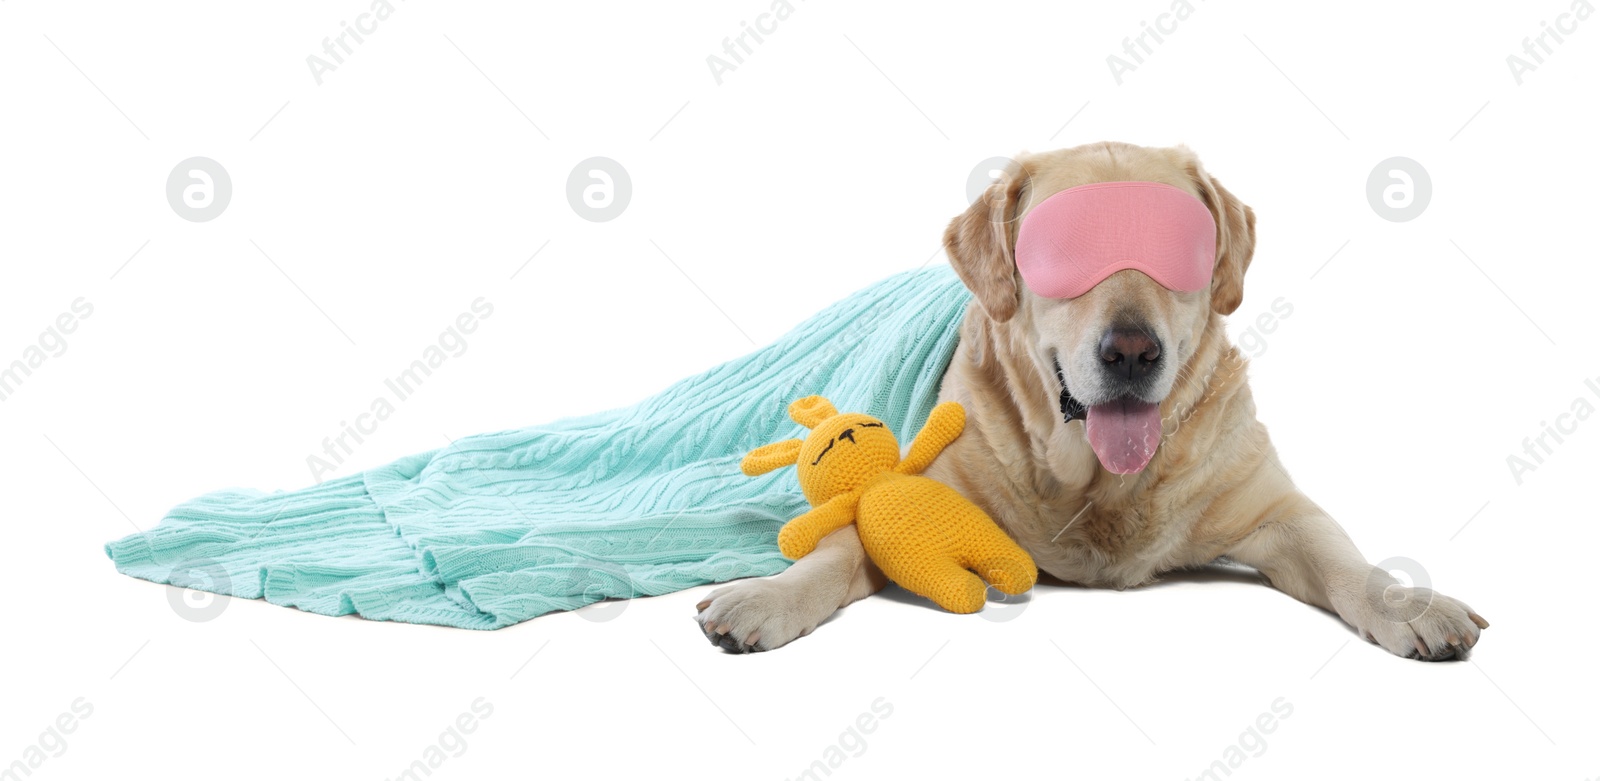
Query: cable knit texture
x=919, y=531
x=645, y=500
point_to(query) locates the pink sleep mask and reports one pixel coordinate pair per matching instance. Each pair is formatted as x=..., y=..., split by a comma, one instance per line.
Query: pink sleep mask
x=1076, y=238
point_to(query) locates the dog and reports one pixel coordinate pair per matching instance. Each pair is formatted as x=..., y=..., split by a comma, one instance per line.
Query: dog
x=1035, y=374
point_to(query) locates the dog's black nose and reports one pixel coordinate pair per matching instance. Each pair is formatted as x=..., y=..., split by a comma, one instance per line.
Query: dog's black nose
x=1129, y=353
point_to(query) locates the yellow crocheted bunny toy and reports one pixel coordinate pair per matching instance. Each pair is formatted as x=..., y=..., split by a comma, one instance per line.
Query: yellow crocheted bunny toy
x=919, y=531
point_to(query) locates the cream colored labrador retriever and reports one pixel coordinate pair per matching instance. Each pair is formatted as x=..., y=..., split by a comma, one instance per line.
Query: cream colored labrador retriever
x=1026, y=370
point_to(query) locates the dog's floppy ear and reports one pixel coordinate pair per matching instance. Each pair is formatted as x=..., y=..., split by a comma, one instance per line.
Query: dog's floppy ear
x=980, y=243
x=1236, y=239
x=766, y=458
x=811, y=411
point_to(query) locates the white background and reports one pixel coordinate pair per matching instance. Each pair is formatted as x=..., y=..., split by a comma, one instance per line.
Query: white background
x=411, y=182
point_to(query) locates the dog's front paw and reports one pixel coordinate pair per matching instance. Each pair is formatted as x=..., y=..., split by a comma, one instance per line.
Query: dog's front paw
x=753, y=615
x=1418, y=623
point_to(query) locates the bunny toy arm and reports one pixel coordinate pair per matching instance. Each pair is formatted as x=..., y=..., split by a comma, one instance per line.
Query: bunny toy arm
x=944, y=424
x=801, y=535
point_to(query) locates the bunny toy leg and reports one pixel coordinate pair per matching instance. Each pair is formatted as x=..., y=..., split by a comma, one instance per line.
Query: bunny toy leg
x=942, y=580
x=987, y=551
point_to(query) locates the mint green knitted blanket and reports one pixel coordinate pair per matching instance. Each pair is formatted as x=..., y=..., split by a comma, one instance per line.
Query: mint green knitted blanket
x=498, y=528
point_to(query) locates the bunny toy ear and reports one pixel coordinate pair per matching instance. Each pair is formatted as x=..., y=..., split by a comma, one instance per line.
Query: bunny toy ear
x=766, y=458
x=811, y=411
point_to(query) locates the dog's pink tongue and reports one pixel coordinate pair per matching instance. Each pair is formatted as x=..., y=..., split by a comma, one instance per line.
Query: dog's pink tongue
x=1124, y=434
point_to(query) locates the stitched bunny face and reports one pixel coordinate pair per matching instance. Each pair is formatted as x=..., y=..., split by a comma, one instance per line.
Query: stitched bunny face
x=842, y=452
